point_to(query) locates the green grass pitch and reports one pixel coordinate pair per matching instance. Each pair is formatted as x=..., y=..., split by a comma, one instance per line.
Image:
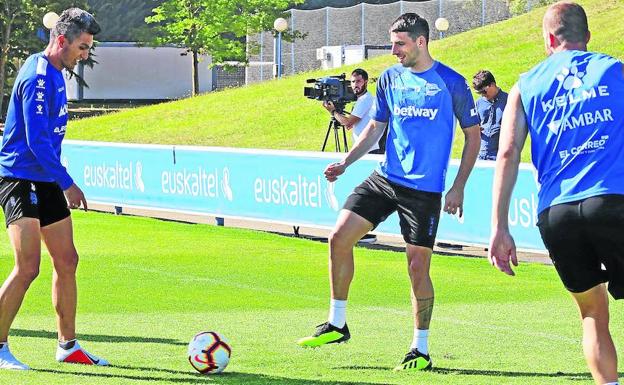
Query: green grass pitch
x=147, y=286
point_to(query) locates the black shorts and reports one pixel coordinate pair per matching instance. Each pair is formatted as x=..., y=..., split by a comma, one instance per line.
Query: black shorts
x=23, y=198
x=419, y=211
x=584, y=236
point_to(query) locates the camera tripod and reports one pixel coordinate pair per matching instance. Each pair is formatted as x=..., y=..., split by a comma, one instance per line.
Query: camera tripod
x=336, y=127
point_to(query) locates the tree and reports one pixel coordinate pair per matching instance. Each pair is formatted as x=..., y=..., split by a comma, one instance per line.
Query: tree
x=123, y=20
x=19, y=22
x=215, y=27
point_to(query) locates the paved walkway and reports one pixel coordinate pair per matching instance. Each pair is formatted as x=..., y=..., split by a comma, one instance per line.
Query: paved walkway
x=385, y=242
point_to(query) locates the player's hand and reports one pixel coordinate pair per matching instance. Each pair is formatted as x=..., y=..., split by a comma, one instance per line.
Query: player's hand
x=454, y=201
x=329, y=106
x=502, y=250
x=75, y=197
x=334, y=170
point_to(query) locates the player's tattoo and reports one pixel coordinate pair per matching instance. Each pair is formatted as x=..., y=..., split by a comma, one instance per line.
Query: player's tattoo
x=424, y=311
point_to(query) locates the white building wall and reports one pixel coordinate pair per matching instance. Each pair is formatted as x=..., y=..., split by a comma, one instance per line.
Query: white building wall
x=127, y=71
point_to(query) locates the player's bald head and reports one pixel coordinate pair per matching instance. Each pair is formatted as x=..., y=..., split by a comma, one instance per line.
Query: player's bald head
x=567, y=21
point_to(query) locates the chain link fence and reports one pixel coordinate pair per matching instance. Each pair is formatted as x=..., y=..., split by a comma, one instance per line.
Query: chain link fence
x=363, y=24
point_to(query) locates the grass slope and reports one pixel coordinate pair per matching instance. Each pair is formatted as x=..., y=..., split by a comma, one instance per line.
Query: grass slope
x=275, y=114
x=146, y=286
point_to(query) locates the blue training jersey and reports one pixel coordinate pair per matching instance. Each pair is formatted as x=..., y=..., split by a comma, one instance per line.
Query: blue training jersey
x=421, y=110
x=35, y=125
x=574, y=105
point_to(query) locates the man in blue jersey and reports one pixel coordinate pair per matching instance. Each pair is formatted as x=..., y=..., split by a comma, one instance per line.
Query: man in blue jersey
x=35, y=188
x=571, y=105
x=420, y=101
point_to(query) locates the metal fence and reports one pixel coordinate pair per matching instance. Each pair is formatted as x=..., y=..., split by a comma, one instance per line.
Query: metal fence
x=363, y=24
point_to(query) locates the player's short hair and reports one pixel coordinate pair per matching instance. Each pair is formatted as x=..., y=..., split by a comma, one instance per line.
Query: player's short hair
x=73, y=22
x=360, y=72
x=413, y=24
x=567, y=21
x=482, y=79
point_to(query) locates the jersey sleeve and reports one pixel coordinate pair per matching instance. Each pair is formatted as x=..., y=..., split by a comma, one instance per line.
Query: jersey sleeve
x=37, y=97
x=381, y=110
x=463, y=104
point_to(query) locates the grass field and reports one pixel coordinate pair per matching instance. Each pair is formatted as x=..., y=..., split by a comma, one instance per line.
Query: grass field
x=276, y=115
x=146, y=286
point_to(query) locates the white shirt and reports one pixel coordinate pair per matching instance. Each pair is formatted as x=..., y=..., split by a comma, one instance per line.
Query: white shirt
x=361, y=109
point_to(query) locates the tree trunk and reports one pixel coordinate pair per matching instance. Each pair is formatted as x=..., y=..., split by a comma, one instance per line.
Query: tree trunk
x=4, y=55
x=195, y=74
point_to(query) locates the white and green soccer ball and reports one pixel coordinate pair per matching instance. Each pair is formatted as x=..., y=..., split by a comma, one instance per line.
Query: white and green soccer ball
x=209, y=352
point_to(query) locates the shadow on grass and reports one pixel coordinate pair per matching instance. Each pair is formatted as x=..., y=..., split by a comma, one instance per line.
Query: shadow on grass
x=190, y=377
x=477, y=372
x=97, y=337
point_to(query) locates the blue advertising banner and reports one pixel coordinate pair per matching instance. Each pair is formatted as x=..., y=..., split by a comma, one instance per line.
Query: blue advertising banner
x=273, y=186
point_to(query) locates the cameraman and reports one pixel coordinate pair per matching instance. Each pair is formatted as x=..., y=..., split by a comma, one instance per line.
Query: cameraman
x=359, y=116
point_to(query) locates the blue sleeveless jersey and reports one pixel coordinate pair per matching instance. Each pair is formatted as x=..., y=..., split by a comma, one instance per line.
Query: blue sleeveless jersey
x=35, y=125
x=421, y=110
x=574, y=105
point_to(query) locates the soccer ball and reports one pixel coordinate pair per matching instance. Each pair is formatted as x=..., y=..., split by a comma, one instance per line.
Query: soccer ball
x=209, y=352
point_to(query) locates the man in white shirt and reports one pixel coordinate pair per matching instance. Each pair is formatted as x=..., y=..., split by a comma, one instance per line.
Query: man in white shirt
x=359, y=117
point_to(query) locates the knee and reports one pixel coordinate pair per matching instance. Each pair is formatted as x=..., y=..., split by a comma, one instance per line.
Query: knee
x=414, y=269
x=338, y=242
x=27, y=273
x=66, y=265
x=417, y=271
x=595, y=319
x=591, y=310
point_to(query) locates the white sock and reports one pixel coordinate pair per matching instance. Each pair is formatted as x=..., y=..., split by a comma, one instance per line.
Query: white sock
x=337, y=312
x=420, y=341
x=612, y=383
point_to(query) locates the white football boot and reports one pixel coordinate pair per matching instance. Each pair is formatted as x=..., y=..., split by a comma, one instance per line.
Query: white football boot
x=77, y=355
x=8, y=360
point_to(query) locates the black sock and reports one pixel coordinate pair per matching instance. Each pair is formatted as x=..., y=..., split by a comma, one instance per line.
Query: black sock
x=67, y=344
